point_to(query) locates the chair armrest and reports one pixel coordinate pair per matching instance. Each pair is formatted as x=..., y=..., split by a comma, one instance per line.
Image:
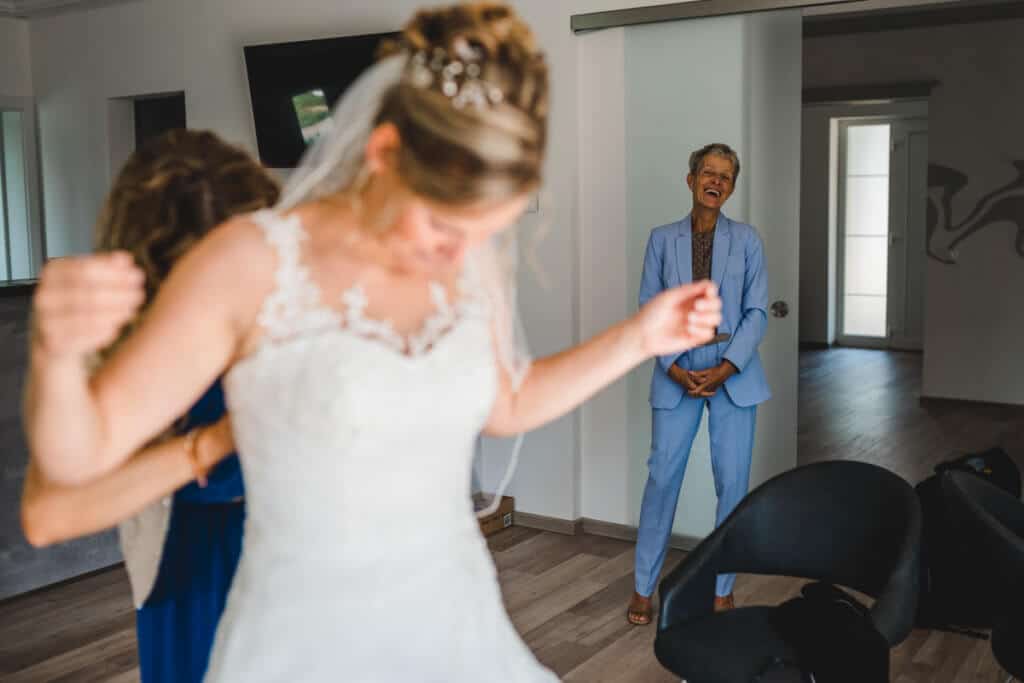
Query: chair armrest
x=894, y=610
x=689, y=589
x=896, y=605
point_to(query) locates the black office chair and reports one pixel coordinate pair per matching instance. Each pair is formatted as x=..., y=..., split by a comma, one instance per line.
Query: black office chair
x=989, y=528
x=847, y=523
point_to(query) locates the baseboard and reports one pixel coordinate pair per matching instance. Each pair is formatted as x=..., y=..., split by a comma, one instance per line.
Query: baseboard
x=960, y=403
x=815, y=346
x=543, y=523
x=583, y=525
x=624, y=532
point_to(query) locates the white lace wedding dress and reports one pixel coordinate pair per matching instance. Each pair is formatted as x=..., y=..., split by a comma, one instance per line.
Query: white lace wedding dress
x=362, y=558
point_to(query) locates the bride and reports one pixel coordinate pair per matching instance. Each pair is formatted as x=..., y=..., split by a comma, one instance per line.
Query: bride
x=367, y=330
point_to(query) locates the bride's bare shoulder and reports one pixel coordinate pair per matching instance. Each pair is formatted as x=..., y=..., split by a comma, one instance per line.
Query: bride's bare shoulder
x=241, y=244
x=235, y=259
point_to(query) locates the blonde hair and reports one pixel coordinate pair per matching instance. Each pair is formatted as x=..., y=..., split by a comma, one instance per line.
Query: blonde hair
x=460, y=155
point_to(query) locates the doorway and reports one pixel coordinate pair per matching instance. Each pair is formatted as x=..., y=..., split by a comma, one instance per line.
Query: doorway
x=882, y=169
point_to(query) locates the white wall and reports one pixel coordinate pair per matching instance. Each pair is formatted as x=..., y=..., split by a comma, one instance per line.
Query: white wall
x=643, y=109
x=974, y=315
x=82, y=59
x=15, y=58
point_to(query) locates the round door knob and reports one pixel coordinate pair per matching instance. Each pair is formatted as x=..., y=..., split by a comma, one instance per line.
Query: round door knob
x=780, y=309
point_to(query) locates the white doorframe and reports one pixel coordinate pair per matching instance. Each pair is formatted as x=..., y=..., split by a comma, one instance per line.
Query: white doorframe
x=899, y=250
x=907, y=234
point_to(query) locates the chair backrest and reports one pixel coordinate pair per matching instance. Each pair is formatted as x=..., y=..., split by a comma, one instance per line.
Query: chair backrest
x=988, y=524
x=848, y=523
x=845, y=522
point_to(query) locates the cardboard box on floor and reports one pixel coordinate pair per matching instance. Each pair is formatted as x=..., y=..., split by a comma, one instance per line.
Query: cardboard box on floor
x=501, y=518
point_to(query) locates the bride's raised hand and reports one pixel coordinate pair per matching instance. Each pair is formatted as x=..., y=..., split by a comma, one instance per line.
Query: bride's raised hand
x=82, y=302
x=680, y=318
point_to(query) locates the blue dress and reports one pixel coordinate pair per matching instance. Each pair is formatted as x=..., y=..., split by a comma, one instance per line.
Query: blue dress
x=177, y=623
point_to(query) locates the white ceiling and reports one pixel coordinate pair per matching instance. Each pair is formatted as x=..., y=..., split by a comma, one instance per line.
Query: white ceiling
x=28, y=8
x=849, y=6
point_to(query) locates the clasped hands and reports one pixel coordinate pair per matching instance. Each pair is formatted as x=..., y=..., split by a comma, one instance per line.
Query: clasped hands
x=702, y=383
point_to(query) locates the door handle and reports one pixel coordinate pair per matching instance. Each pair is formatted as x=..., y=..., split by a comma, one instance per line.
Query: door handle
x=780, y=309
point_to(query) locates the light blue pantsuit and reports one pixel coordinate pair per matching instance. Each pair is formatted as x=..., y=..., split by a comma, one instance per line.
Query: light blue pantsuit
x=737, y=265
x=732, y=440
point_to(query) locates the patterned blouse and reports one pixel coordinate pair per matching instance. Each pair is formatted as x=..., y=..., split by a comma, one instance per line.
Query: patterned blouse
x=703, y=242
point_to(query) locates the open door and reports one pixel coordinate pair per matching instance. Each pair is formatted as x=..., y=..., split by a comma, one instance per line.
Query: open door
x=650, y=95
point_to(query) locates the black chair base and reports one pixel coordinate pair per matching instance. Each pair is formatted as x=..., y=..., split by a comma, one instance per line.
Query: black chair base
x=728, y=647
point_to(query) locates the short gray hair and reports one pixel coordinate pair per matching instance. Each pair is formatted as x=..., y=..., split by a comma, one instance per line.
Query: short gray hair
x=718, y=149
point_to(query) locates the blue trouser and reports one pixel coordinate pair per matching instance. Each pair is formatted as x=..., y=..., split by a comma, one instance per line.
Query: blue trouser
x=732, y=441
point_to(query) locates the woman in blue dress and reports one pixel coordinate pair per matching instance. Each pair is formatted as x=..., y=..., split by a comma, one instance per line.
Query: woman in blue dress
x=179, y=502
x=177, y=622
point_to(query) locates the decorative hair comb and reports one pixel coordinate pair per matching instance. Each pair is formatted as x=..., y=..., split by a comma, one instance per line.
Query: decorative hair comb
x=459, y=77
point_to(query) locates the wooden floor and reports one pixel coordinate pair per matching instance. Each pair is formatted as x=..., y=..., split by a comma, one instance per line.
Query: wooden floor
x=864, y=405
x=567, y=594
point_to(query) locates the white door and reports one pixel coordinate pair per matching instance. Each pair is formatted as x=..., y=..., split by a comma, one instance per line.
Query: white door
x=650, y=95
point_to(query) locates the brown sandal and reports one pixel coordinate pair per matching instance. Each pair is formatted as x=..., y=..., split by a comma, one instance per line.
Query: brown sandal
x=640, y=610
x=724, y=604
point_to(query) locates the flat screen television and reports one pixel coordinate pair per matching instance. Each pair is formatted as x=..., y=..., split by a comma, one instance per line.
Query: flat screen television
x=294, y=86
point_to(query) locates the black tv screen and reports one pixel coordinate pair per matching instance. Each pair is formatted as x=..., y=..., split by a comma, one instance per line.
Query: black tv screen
x=294, y=86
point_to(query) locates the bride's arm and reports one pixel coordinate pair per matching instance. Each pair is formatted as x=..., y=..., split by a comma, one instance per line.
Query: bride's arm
x=52, y=512
x=80, y=427
x=674, y=321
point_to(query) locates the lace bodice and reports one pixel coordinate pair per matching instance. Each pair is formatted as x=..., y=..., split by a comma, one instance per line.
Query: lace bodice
x=296, y=306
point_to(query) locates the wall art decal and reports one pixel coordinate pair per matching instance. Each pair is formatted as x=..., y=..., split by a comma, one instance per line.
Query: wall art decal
x=1005, y=204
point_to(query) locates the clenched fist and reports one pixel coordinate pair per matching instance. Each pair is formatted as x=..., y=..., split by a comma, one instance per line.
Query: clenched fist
x=681, y=318
x=82, y=302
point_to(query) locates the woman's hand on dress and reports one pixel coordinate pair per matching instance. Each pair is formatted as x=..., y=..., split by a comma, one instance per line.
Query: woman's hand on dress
x=679, y=319
x=82, y=302
x=216, y=442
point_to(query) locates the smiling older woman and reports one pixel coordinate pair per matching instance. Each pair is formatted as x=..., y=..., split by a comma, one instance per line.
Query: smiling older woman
x=725, y=375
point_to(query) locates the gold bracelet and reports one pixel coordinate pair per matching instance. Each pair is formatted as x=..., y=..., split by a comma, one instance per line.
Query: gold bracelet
x=192, y=451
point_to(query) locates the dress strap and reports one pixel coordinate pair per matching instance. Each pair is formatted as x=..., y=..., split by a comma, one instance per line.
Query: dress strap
x=294, y=306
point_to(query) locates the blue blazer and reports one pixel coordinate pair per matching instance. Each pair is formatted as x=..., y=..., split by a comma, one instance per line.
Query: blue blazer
x=737, y=266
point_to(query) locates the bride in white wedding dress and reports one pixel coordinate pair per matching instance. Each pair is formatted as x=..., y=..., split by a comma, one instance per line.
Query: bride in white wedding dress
x=367, y=333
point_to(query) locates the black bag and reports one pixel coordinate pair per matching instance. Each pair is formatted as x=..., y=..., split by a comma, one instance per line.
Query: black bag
x=994, y=466
x=834, y=637
x=954, y=589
